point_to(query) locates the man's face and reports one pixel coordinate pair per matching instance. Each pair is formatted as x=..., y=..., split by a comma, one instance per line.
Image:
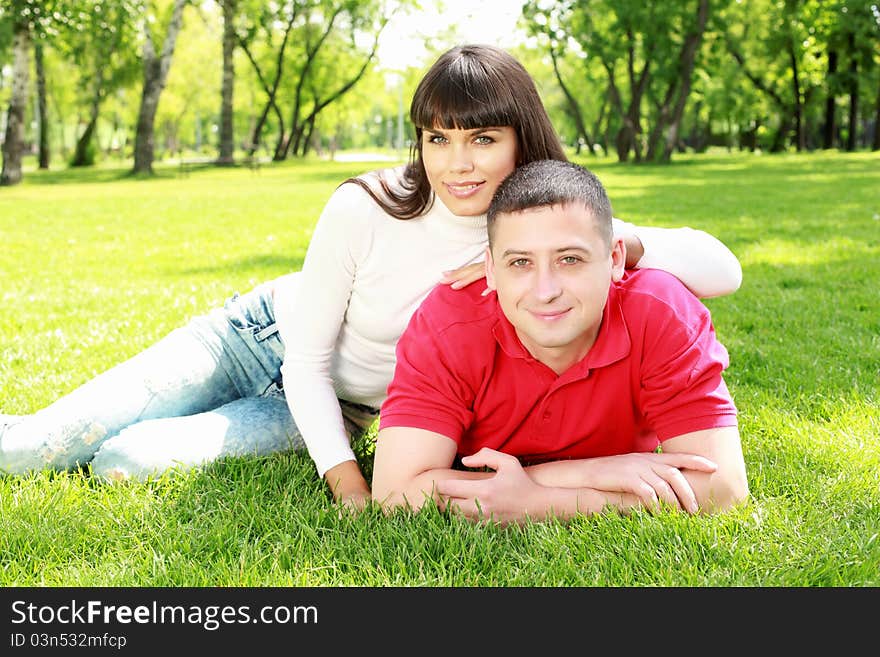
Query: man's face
x=552, y=270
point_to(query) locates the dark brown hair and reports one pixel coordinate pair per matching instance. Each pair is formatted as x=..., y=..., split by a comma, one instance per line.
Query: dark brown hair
x=546, y=183
x=469, y=87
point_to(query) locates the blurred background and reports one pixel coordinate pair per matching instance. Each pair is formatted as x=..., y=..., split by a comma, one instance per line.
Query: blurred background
x=133, y=82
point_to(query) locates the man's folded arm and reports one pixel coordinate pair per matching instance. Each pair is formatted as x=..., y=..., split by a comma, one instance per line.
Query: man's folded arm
x=710, y=462
x=726, y=487
x=408, y=463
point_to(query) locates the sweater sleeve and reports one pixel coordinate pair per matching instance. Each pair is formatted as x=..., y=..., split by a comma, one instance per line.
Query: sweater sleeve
x=699, y=260
x=310, y=315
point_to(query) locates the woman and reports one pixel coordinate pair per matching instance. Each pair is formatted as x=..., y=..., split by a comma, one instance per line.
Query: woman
x=305, y=360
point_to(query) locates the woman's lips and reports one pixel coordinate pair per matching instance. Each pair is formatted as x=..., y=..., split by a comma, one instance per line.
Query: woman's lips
x=464, y=189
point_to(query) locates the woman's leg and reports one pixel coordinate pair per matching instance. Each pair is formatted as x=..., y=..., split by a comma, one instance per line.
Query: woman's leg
x=215, y=359
x=252, y=426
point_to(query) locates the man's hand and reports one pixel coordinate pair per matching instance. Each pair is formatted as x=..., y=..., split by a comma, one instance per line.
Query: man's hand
x=652, y=478
x=505, y=497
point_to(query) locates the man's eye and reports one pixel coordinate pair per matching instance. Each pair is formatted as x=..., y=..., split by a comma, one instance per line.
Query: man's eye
x=519, y=262
x=570, y=260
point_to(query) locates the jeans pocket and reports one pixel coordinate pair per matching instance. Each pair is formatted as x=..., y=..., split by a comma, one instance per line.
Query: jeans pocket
x=252, y=313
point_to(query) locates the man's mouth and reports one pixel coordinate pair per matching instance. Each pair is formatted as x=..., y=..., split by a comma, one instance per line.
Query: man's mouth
x=550, y=315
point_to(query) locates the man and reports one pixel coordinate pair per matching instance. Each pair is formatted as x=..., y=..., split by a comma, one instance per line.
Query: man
x=565, y=381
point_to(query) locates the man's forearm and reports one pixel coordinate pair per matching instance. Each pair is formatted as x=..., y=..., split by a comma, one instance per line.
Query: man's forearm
x=542, y=503
x=567, y=503
x=413, y=493
x=699, y=483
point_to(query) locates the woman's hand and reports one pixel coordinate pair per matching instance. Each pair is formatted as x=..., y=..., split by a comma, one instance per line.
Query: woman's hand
x=634, y=247
x=464, y=276
x=348, y=485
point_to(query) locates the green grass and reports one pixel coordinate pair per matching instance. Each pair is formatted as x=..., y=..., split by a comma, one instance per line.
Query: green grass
x=96, y=266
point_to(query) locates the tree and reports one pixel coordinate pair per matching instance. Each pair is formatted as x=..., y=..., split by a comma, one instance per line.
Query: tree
x=227, y=138
x=42, y=108
x=671, y=111
x=13, y=143
x=538, y=24
x=155, y=70
x=307, y=52
x=648, y=51
x=101, y=42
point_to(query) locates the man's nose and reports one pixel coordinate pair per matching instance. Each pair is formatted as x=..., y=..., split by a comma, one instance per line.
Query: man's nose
x=547, y=286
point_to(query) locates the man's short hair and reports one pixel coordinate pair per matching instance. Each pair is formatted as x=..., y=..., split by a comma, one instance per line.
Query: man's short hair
x=551, y=182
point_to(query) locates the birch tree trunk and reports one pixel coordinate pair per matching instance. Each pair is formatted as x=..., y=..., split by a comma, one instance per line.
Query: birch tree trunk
x=42, y=106
x=13, y=146
x=156, y=69
x=227, y=137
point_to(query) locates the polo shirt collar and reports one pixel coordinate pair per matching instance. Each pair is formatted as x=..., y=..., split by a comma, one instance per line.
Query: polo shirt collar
x=612, y=344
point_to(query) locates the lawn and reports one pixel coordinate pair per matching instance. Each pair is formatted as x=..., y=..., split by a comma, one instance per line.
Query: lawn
x=96, y=266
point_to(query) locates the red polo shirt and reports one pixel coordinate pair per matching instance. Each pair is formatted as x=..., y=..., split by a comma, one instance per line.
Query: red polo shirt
x=653, y=373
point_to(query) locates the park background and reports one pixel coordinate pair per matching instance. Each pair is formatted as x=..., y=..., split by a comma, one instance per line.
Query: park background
x=143, y=183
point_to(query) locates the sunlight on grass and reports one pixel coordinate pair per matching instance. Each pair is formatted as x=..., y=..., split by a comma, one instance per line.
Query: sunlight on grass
x=96, y=266
x=779, y=253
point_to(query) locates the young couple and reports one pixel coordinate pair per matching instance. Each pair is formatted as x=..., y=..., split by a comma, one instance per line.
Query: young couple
x=306, y=360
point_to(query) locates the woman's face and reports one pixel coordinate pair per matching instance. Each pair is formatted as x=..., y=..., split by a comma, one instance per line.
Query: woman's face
x=465, y=167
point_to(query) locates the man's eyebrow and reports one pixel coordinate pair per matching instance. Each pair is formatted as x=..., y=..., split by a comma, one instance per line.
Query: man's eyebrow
x=562, y=249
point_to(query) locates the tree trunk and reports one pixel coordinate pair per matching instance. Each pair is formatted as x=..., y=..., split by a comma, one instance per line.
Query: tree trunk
x=321, y=104
x=297, y=127
x=81, y=152
x=853, y=93
x=13, y=145
x=81, y=156
x=631, y=128
x=796, y=92
x=155, y=75
x=41, y=106
x=688, y=59
x=256, y=134
x=227, y=138
x=601, y=137
x=830, y=125
x=573, y=106
x=875, y=146
x=143, y=140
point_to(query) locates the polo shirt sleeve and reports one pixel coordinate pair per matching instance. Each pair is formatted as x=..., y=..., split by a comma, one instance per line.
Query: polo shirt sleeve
x=682, y=389
x=431, y=386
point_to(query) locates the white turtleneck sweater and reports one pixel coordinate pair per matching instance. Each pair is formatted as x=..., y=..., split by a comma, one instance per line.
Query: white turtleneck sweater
x=364, y=275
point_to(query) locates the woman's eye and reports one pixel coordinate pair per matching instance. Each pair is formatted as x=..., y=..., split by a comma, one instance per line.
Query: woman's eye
x=483, y=140
x=437, y=139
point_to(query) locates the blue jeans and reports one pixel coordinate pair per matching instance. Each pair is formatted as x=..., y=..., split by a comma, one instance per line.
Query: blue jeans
x=207, y=390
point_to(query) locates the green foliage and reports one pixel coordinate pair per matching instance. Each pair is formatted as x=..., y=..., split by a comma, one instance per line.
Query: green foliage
x=97, y=266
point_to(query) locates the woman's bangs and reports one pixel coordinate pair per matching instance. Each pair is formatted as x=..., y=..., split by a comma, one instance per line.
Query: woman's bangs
x=455, y=106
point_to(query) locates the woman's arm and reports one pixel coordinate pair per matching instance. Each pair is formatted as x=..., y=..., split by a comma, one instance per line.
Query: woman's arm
x=699, y=260
x=310, y=309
